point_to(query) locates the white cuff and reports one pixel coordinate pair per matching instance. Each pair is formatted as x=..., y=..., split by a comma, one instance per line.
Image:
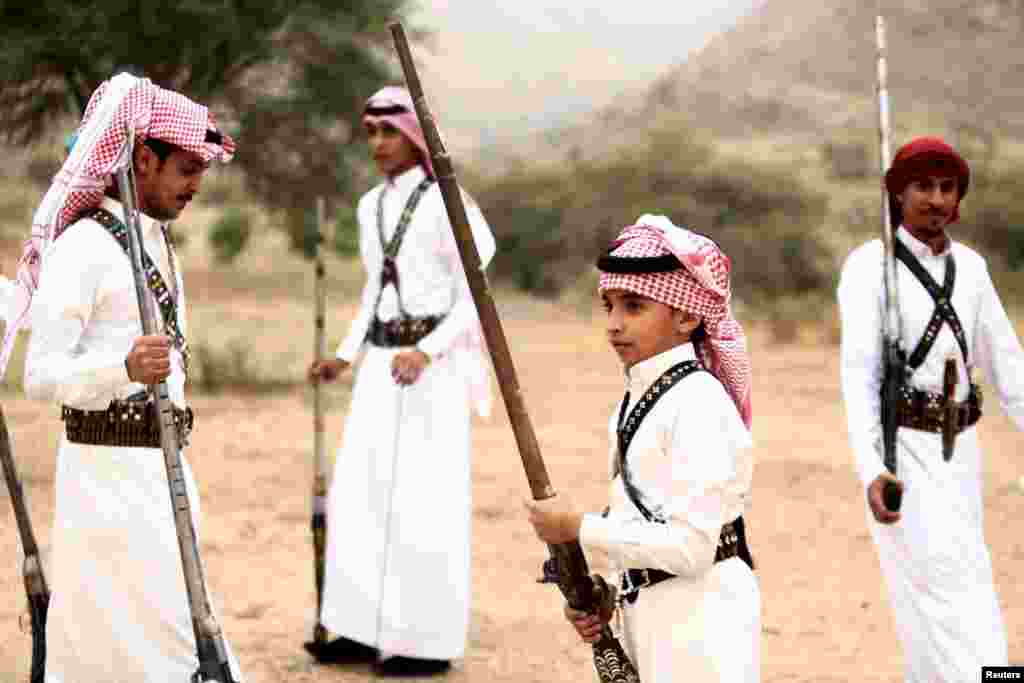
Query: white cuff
x=596, y=535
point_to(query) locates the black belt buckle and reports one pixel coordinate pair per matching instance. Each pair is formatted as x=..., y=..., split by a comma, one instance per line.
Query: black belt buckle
x=629, y=591
x=635, y=579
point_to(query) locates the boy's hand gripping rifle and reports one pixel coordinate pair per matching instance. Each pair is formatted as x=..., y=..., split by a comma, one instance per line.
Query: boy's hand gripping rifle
x=32, y=570
x=894, y=358
x=211, y=650
x=581, y=591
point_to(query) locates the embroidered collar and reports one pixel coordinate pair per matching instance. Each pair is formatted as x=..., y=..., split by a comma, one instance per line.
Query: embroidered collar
x=644, y=373
x=150, y=227
x=920, y=249
x=406, y=182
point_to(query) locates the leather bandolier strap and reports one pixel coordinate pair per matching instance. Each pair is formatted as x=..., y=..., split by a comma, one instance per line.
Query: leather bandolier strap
x=923, y=410
x=405, y=330
x=164, y=295
x=126, y=424
x=732, y=540
x=944, y=311
x=402, y=331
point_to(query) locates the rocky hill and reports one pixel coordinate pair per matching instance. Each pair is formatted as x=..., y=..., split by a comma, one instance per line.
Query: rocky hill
x=807, y=69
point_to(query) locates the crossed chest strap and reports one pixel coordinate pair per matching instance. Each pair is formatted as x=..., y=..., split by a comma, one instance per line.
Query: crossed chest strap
x=405, y=330
x=627, y=426
x=944, y=311
x=732, y=538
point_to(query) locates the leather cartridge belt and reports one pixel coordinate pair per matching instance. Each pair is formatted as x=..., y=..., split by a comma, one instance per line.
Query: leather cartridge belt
x=128, y=424
x=635, y=579
x=925, y=411
x=405, y=331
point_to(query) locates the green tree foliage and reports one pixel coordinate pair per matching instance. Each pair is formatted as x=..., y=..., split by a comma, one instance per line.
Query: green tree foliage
x=288, y=77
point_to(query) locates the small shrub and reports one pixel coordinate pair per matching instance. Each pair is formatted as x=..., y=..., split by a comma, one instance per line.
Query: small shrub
x=848, y=160
x=229, y=235
x=1015, y=249
x=525, y=252
x=304, y=233
x=230, y=369
x=552, y=222
x=346, y=233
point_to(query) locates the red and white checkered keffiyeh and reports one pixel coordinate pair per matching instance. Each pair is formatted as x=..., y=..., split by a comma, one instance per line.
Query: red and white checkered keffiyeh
x=123, y=101
x=700, y=287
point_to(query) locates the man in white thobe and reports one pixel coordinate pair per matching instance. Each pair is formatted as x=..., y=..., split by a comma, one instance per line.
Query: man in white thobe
x=399, y=509
x=119, y=611
x=932, y=551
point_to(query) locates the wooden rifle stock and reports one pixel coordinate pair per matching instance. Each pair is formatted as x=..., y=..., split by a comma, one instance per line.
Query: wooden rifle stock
x=894, y=358
x=567, y=564
x=211, y=650
x=36, y=590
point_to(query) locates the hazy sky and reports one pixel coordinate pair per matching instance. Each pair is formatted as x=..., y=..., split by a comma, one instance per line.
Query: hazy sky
x=505, y=67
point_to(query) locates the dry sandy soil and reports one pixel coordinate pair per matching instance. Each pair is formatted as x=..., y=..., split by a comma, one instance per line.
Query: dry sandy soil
x=825, y=616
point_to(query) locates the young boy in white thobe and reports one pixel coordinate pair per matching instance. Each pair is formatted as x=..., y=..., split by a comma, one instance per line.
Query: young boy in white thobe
x=399, y=510
x=932, y=550
x=681, y=464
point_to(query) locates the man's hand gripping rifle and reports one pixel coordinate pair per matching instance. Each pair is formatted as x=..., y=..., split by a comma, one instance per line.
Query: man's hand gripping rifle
x=567, y=560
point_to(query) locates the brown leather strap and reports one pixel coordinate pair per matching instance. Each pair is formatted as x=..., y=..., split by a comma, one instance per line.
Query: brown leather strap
x=126, y=424
x=924, y=411
x=402, y=331
x=731, y=543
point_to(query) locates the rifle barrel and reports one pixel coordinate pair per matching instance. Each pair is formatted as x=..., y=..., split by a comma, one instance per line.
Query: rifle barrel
x=210, y=646
x=16, y=491
x=36, y=589
x=497, y=343
x=319, y=518
x=570, y=564
x=892, y=347
x=891, y=323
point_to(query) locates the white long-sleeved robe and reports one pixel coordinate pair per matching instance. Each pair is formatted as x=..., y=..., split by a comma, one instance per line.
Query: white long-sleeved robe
x=399, y=507
x=935, y=560
x=118, y=611
x=691, y=458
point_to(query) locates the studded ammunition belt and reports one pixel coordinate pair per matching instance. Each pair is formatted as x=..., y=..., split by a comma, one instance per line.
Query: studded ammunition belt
x=926, y=412
x=402, y=331
x=729, y=542
x=127, y=424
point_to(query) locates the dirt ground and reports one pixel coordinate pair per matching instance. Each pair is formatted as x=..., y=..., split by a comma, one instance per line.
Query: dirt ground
x=825, y=616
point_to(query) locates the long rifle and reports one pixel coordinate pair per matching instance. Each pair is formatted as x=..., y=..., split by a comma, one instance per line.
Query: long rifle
x=36, y=590
x=319, y=520
x=567, y=560
x=894, y=357
x=211, y=650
